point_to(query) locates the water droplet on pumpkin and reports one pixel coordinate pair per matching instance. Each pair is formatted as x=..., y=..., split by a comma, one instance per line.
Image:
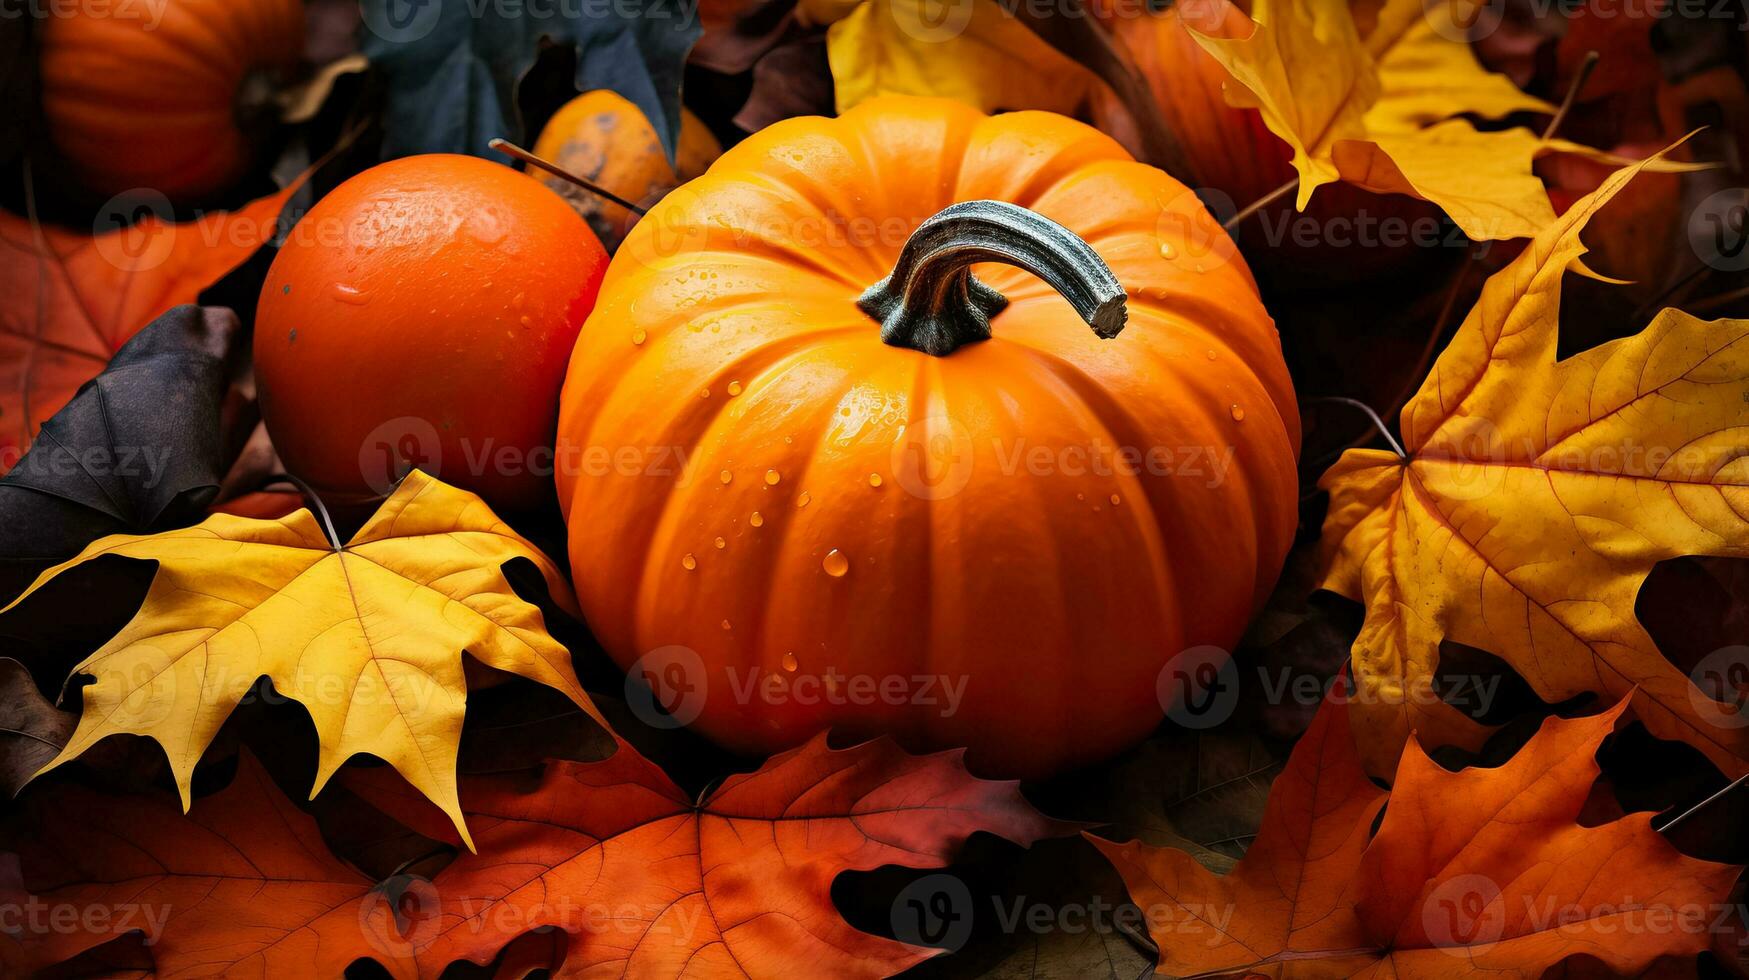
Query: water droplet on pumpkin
x=726, y=624
x=721, y=543
x=639, y=336
x=874, y=479
x=1199, y=267
x=351, y=295
x=734, y=388
x=835, y=564
x=725, y=476
x=1210, y=352
x=1237, y=413
x=1080, y=496
x=688, y=562
x=1167, y=251
x=704, y=393
x=757, y=520
x=525, y=321
x=1115, y=500
x=802, y=501
x=790, y=663
x=771, y=477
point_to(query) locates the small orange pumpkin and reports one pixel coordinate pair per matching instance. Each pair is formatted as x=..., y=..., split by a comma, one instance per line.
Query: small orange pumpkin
x=159, y=95
x=601, y=137
x=839, y=449
x=1224, y=147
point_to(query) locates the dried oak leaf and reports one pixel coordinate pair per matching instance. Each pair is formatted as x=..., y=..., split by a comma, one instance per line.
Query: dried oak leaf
x=643, y=881
x=242, y=886
x=1534, y=498
x=1382, y=109
x=32, y=730
x=1483, y=871
x=72, y=300
x=368, y=637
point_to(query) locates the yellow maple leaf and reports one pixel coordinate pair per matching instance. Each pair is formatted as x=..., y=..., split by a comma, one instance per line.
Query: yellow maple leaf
x=1378, y=111
x=368, y=637
x=970, y=50
x=1303, y=67
x=1533, y=498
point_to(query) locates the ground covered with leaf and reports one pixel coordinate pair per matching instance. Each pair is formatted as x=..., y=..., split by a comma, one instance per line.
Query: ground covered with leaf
x=1492, y=719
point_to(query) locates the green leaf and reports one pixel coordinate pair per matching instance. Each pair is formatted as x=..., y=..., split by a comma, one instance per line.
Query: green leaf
x=452, y=66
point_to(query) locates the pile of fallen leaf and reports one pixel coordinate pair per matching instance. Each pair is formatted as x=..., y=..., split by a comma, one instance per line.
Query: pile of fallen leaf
x=1495, y=720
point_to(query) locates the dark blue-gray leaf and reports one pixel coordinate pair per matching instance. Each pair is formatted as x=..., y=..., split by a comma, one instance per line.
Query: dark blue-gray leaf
x=452, y=66
x=138, y=449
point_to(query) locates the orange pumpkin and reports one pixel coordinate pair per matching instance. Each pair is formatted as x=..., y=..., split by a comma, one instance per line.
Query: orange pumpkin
x=601, y=137
x=805, y=491
x=160, y=95
x=1224, y=147
x=422, y=314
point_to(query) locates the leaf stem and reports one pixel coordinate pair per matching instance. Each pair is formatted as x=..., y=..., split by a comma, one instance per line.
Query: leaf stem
x=1261, y=203
x=1691, y=811
x=511, y=149
x=1378, y=423
x=1580, y=77
x=316, y=503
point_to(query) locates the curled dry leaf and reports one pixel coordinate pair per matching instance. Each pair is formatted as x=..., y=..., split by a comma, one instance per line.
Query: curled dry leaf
x=643, y=881
x=368, y=637
x=72, y=300
x=1535, y=497
x=1483, y=871
x=1381, y=109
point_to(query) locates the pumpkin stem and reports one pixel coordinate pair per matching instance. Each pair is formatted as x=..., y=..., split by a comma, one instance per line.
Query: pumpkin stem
x=931, y=302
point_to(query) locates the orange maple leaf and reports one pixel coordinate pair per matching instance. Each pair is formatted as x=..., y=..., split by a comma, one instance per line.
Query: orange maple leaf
x=1483, y=871
x=72, y=300
x=243, y=885
x=646, y=882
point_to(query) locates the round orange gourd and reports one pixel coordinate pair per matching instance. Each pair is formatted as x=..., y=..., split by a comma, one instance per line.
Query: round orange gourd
x=422, y=314
x=601, y=137
x=772, y=485
x=159, y=95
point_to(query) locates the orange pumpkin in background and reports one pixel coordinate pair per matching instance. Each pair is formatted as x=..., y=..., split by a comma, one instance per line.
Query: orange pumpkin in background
x=601, y=137
x=421, y=315
x=804, y=491
x=1226, y=148
x=163, y=95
